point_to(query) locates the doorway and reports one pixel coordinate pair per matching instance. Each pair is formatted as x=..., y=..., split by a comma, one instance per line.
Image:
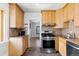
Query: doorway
x=34, y=34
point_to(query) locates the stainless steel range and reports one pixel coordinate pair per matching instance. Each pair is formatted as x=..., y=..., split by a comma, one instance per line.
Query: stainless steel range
x=48, y=42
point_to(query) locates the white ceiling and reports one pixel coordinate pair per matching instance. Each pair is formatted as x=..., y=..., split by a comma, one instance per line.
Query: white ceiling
x=37, y=7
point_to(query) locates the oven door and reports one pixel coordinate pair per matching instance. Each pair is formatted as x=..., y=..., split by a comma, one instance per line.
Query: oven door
x=48, y=43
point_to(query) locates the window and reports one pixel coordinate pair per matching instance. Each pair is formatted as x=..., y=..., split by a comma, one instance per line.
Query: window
x=1, y=25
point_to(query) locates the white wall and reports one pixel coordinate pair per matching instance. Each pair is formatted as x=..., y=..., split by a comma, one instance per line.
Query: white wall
x=5, y=7
x=33, y=16
x=33, y=29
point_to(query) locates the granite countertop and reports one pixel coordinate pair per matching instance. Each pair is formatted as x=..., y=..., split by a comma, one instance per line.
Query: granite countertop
x=75, y=40
x=19, y=36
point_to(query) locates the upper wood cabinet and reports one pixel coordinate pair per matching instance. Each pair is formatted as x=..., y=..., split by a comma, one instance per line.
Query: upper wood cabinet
x=65, y=13
x=53, y=17
x=1, y=25
x=16, y=16
x=59, y=18
x=48, y=17
x=70, y=11
x=43, y=17
x=68, y=14
x=66, y=24
x=76, y=14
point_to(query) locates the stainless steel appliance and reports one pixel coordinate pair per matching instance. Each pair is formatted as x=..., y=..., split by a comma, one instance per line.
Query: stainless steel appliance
x=72, y=49
x=22, y=33
x=48, y=42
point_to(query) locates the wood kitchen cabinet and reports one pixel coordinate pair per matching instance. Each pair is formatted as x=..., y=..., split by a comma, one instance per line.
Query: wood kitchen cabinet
x=65, y=13
x=48, y=17
x=16, y=16
x=66, y=24
x=68, y=14
x=53, y=17
x=57, y=43
x=70, y=11
x=76, y=14
x=17, y=45
x=62, y=46
x=59, y=18
x=25, y=43
x=1, y=25
x=73, y=13
x=44, y=18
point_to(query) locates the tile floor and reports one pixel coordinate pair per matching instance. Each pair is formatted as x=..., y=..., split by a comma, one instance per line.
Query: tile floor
x=36, y=51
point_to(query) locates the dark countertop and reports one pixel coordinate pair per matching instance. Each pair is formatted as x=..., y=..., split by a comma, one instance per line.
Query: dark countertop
x=74, y=40
x=19, y=36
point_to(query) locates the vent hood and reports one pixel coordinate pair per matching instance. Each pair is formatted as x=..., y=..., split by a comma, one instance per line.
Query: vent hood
x=48, y=25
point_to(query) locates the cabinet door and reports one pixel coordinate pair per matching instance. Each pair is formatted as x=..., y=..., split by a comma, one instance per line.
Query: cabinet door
x=70, y=11
x=57, y=43
x=62, y=46
x=1, y=25
x=76, y=14
x=53, y=17
x=22, y=19
x=59, y=18
x=66, y=24
x=62, y=49
x=18, y=17
x=43, y=18
x=66, y=13
x=25, y=43
x=15, y=46
x=49, y=17
x=12, y=15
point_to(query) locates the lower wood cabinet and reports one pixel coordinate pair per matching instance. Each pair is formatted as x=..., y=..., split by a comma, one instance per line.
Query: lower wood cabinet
x=57, y=43
x=62, y=46
x=25, y=43
x=17, y=45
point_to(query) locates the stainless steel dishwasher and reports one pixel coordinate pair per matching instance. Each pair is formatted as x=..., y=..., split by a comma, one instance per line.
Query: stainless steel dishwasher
x=72, y=49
